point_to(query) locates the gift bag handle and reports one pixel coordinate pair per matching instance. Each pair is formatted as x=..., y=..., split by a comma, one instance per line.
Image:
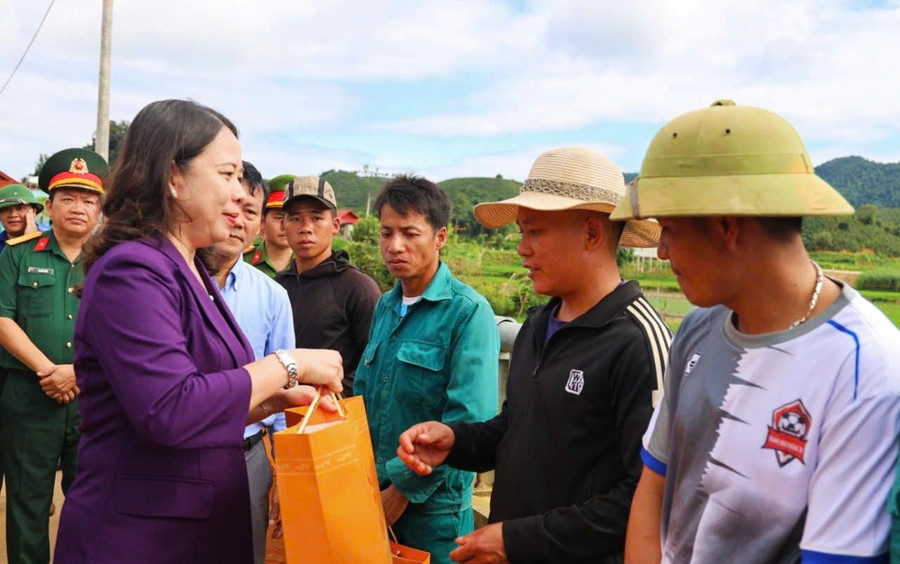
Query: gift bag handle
x=338, y=401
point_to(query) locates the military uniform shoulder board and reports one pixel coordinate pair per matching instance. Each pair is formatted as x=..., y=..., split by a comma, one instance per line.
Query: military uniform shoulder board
x=27, y=237
x=249, y=249
x=257, y=258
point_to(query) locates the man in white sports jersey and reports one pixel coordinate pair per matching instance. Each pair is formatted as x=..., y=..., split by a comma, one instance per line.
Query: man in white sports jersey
x=776, y=438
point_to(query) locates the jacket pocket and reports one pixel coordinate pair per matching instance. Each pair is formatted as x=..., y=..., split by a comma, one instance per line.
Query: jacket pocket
x=368, y=357
x=35, y=294
x=181, y=498
x=421, y=379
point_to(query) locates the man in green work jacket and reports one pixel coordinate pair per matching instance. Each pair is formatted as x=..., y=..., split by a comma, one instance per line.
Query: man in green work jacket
x=39, y=275
x=432, y=355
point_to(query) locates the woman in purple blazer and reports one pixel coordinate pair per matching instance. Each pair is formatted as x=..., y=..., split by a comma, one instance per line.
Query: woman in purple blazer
x=166, y=378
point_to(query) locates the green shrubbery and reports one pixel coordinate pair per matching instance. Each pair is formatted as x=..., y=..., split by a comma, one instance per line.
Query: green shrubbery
x=888, y=280
x=870, y=228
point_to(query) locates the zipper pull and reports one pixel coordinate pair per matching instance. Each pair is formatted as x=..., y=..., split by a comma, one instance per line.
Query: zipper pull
x=536, y=368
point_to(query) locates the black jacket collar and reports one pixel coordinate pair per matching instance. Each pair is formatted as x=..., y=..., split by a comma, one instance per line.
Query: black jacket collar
x=603, y=311
x=338, y=262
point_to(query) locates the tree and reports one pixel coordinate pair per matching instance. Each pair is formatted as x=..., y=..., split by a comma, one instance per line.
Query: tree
x=365, y=252
x=624, y=256
x=866, y=214
x=117, y=130
x=42, y=158
x=367, y=231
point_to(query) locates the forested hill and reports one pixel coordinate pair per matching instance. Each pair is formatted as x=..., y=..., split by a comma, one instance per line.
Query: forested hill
x=353, y=190
x=863, y=181
x=859, y=180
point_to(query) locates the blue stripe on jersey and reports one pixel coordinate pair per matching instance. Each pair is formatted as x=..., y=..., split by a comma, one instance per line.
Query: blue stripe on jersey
x=812, y=557
x=652, y=463
x=840, y=327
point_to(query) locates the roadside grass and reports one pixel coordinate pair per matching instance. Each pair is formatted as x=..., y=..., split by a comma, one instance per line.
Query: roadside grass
x=892, y=310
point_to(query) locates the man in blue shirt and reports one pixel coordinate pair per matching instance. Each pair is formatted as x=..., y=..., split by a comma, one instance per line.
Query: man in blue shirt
x=262, y=309
x=432, y=355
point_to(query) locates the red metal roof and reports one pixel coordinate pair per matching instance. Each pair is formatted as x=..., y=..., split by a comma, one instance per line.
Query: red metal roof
x=6, y=179
x=347, y=216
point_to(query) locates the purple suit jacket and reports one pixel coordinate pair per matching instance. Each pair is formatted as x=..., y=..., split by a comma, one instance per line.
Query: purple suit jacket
x=161, y=472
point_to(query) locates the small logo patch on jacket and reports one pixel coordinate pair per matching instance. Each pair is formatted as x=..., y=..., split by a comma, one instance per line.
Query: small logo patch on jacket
x=691, y=364
x=576, y=382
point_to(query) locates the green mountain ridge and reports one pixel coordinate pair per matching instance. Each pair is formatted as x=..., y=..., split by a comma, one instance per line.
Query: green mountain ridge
x=872, y=188
x=859, y=180
x=862, y=181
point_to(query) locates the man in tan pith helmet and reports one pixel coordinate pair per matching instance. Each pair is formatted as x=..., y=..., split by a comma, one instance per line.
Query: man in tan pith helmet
x=776, y=438
x=587, y=366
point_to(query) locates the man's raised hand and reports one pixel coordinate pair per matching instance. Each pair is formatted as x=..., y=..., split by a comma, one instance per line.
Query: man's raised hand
x=425, y=445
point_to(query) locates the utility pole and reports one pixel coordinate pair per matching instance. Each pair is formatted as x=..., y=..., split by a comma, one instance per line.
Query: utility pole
x=101, y=143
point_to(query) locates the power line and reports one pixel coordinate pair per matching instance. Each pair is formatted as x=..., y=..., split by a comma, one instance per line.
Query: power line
x=30, y=43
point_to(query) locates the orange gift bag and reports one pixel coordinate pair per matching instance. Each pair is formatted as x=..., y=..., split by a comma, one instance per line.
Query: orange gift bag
x=330, y=502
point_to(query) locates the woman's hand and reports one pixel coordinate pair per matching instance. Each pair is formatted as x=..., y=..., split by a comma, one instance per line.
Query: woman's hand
x=320, y=367
x=298, y=396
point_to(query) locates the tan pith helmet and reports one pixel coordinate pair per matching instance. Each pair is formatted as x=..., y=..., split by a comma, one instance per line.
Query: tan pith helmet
x=729, y=160
x=571, y=178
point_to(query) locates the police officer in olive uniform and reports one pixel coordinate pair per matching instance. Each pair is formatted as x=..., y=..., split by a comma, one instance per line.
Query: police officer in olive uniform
x=272, y=254
x=18, y=206
x=39, y=273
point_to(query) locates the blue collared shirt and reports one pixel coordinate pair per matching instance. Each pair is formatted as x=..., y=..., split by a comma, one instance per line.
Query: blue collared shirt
x=263, y=310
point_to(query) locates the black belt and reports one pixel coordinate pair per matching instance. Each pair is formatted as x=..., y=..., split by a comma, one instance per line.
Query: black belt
x=250, y=442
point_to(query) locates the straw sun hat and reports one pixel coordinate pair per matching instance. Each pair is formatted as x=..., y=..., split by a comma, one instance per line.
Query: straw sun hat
x=571, y=178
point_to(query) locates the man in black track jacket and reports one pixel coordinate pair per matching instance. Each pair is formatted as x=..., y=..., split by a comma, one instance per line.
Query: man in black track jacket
x=332, y=300
x=585, y=371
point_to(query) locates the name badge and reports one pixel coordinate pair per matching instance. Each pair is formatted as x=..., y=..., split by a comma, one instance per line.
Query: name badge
x=39, y=270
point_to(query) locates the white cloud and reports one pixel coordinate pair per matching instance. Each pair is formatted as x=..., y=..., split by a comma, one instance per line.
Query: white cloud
x=824, y=66
x=282, y=68
x=512, y=164
x=274, y=158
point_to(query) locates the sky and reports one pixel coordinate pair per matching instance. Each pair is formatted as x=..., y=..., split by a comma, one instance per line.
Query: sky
x=459, y=88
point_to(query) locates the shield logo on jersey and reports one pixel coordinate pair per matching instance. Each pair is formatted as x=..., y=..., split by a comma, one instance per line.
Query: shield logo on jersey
x=787, y=434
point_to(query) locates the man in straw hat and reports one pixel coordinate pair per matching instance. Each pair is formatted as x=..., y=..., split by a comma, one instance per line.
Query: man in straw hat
x=566, y=445
x=39, y=273
x=776, y=438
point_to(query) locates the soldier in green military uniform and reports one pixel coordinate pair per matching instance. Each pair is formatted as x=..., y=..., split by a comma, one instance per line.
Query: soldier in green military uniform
x=272, y=254
x=39, y=274
x=18, y=206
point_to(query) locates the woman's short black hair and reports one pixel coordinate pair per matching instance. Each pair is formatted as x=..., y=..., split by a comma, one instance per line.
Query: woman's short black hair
x=405, y=193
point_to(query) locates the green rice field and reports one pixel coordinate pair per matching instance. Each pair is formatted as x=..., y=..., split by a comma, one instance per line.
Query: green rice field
x=499, y=276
